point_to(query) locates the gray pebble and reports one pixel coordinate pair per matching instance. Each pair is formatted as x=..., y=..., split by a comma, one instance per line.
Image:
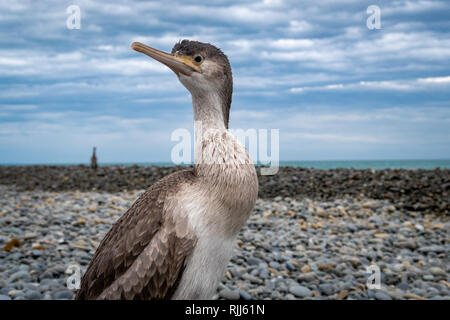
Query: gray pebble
x=19, y=275
x=327, y=289
x=6, y=290
x=251, y=278
x=264, y=274
x=274, y=264
x=300, y=291
x=307, y=277
x=245, y=295
x=428, y=277
x=63, y=295
x=33, y=295
x=290, y=266
x=382, y=296
x=403, y=286
x=16, y=293
x=433, y=248
x=253, y=261
x=230, y=294
x=436, y=271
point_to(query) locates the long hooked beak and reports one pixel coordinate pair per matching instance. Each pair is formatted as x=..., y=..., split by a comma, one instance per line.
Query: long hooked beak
x=178, y=64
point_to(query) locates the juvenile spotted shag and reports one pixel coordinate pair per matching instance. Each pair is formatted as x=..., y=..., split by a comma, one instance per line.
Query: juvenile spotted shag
x=177, y=238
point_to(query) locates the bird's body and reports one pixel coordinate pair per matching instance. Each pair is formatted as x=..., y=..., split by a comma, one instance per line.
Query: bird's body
x=177, y=238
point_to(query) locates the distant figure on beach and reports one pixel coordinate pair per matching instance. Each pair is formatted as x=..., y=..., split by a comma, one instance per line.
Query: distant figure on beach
x=94, y=160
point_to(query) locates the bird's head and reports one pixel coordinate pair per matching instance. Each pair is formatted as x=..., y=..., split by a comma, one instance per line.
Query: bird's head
x=201, y=67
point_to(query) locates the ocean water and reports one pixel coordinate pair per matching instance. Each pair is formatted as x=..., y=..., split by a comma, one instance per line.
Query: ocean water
x=370, y=164
x=318, y=164
x=355, y=164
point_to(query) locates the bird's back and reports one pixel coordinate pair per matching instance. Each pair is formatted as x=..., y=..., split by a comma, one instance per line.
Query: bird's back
x=143, y=254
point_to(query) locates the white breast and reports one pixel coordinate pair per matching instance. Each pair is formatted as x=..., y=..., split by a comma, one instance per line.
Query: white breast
x=205, y=268
x=213, y=250
x=217, y=206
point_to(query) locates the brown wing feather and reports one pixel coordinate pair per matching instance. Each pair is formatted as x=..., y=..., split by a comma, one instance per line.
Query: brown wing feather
x=142, y=255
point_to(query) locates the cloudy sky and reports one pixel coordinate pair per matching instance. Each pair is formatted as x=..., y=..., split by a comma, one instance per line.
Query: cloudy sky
x=312, y=69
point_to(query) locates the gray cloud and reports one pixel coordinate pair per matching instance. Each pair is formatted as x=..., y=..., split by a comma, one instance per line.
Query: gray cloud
x=60, y=86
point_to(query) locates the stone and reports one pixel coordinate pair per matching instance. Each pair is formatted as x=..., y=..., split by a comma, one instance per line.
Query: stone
x=19, y=275
x=382, y=296
x=436, y=271
x=290, y=266
x=5, y=290
x=251, y=278
x=327, y=289
x=16, y=293
x=428, y=277
x=33, y=295
x=300, y=291
x=230, y=294
x=403, y=286
x=307, y=277
x=63, y=295
x=306, y=268
x=253, y=261
x=433, y=248
x=274, y=264
x=342, y=294
x=245, y=295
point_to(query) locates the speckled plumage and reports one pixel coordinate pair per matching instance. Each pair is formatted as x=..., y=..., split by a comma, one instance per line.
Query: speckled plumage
x=143, y=254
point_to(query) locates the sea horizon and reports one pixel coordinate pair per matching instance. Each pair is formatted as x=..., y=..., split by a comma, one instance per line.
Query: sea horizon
x=428, y=164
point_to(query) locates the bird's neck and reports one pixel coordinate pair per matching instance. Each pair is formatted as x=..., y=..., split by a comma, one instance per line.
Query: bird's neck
x=209, y=111
x=223, y=164
x=212, y=140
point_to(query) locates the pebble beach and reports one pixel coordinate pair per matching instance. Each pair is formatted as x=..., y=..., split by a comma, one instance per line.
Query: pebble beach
x=312, y=233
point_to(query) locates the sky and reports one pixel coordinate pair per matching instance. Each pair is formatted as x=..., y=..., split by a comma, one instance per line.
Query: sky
x=334, y=88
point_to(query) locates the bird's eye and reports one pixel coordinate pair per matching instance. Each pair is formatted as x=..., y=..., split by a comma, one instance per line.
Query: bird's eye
x=198, y=59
